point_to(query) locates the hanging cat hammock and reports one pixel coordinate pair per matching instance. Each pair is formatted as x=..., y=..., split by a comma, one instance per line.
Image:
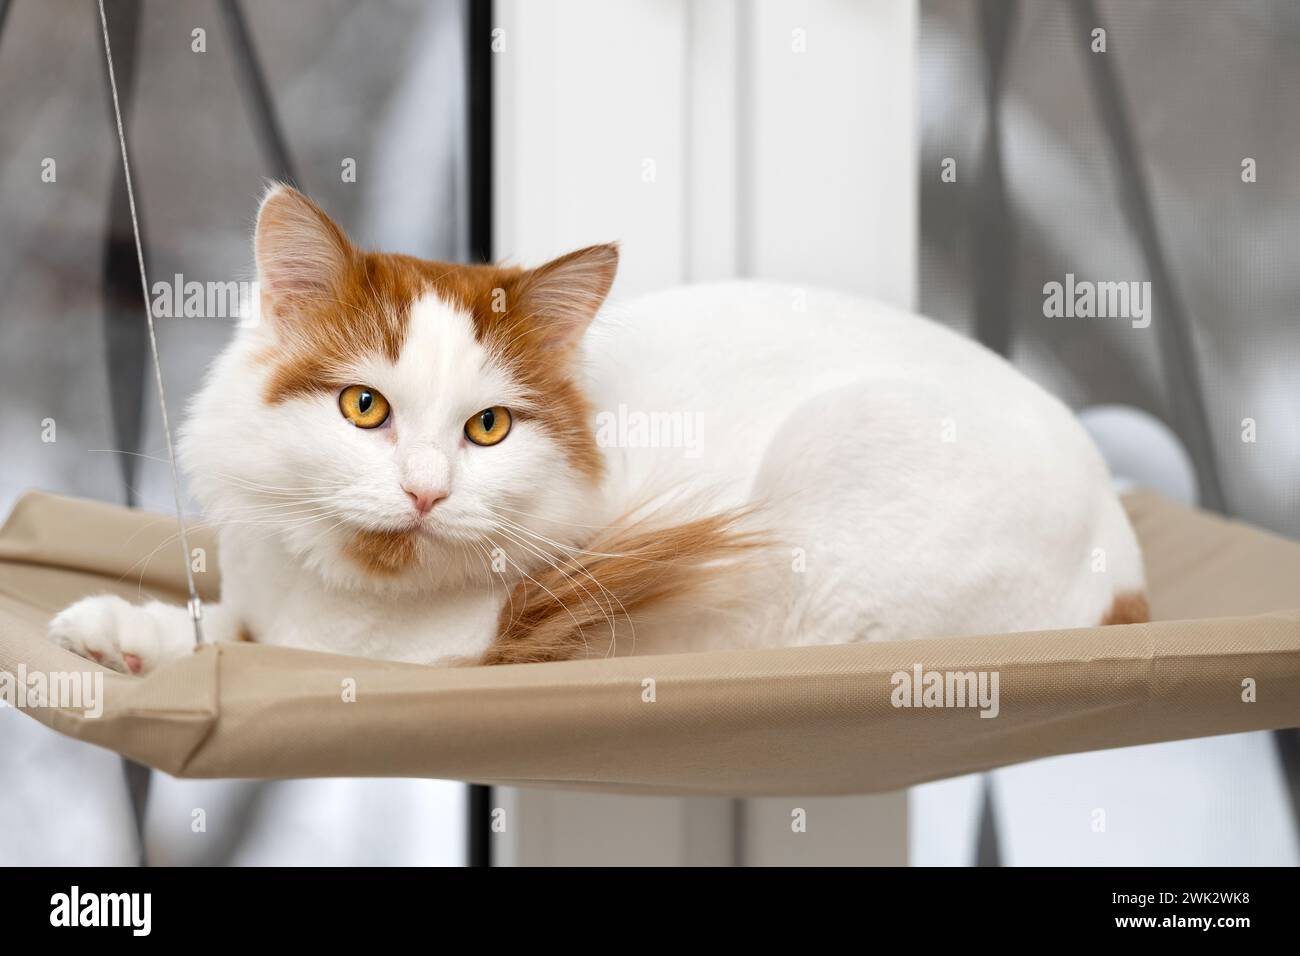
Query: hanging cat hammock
x=1222, y=656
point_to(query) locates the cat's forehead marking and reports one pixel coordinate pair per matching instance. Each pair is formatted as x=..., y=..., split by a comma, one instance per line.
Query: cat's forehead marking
x=439, y=333
x=370, y=316
x=442, y=362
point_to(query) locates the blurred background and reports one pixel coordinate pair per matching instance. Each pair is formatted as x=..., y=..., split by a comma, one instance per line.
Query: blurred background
x=951, y=156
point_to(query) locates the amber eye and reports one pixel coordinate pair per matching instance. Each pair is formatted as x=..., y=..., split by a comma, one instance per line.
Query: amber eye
x=489, y=426
x=363, y=406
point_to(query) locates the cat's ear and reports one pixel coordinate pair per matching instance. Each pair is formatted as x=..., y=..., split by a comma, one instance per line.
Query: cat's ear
x=562, y=297
x=301, y=254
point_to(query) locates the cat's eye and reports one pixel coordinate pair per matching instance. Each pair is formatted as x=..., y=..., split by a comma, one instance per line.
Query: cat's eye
x=489, y=426
x=363, y=406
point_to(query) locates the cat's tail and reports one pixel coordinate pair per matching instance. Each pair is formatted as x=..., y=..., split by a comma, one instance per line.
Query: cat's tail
x=586, y=598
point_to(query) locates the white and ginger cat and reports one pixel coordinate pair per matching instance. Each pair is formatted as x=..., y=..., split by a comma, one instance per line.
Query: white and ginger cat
x=430, y=462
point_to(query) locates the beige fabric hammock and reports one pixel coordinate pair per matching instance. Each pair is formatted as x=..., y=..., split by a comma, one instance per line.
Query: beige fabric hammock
x=815, y=720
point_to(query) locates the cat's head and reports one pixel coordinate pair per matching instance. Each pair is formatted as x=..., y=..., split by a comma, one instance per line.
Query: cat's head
x=395, y=420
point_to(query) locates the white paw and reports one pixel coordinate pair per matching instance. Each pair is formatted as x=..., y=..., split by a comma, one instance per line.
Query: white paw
x=110, y=631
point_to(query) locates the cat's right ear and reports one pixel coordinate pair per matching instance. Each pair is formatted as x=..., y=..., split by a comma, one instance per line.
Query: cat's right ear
x=302, y=255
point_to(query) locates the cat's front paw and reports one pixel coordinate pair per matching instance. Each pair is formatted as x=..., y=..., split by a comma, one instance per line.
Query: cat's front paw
x=110, y=631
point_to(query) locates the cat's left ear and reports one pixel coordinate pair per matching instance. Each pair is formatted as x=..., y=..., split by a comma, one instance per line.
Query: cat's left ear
x=563, y=296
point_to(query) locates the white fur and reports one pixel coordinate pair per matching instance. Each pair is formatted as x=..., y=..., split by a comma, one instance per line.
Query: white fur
x=834, y=413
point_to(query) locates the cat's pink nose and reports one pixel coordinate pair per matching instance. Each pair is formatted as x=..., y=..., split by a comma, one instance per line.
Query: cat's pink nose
x=423, y=499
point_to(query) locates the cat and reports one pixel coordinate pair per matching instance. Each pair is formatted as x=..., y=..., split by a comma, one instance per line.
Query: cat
x=440, y=463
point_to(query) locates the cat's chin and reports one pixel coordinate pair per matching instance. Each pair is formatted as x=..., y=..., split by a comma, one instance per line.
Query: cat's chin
x=424, y=562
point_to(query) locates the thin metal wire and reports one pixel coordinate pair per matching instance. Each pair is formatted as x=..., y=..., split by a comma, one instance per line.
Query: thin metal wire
x=195, y=608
